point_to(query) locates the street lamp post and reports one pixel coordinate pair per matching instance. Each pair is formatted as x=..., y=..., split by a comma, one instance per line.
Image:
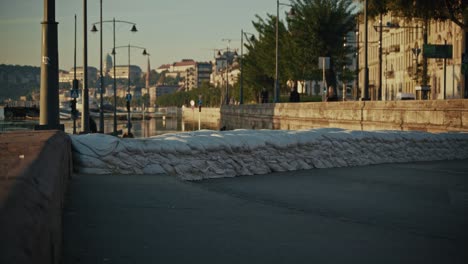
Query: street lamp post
x=49, y=101
x=85, y=93
x=277, y=89
x=227, y=53
x=94, y=30
x=101, y=79
x=380, y=29
x=366, y=62
x=129, y=96
x=75, y=85
x=357, y=63
x=379, y=89
x=241, y=86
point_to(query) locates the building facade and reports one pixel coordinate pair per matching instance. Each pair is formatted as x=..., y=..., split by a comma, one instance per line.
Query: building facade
x=67, y=77
x=124, y=71
x=195, y=76
x=399, y=67
x=225, y=68
x=155, y=91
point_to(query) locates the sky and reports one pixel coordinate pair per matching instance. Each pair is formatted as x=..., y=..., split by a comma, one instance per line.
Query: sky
x=170, y=30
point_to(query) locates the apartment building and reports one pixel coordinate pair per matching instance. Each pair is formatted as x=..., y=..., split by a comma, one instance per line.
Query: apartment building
x=225, y=68
x=123, y=72
x=399, y=67
x=195, y=76
x=177, y=68
x=159, y=90
x=68, y=76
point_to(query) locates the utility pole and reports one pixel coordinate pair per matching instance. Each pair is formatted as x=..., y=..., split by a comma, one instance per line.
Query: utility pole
x=227, y=69
x=366, y=61
x=85, y=94
x=49, y=95
x=101, y=109
x=379, y=89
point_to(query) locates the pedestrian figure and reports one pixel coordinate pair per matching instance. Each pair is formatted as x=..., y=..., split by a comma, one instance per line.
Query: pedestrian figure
x=331, y=96
x=264, y=96
x=92, y=125
x=294, y=95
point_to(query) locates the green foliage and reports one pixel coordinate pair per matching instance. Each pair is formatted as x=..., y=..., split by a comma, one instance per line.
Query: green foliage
x=454, y=10
x=211, y=97
x=16, y=81
x=167, y=80
x=316, y=30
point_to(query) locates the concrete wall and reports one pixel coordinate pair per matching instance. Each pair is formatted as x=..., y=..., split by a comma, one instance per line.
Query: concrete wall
x=35, y=168
x=431, y=116
x=207, y=115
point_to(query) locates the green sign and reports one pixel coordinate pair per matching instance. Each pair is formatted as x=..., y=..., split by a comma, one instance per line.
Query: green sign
x=437, y=51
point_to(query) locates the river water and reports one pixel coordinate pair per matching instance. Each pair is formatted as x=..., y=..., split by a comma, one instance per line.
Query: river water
x=140, y=128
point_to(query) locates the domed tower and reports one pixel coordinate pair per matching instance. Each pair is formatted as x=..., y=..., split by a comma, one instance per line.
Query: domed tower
x=108, y=65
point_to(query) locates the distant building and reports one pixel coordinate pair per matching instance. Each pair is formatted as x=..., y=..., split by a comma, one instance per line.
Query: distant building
x=183, y=65
x=226, y=61
x=122, y=72
x=194, y=77
x=67, y=77
x=177, y=68
x=226, y=57
x=402, y=59
x=163, y=68
x=158, y=90
x=108, y=66
x=166, y=89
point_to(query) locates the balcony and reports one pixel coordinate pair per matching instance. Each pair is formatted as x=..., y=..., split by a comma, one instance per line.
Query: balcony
x=394, y=48
x=390, y=74
x=411, y=71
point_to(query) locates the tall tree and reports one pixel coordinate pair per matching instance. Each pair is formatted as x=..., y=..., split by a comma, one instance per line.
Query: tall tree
x=319, y=27
x=259, y=62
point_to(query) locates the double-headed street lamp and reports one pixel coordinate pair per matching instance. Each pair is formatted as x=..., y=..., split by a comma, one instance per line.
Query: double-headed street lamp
x=241, y=86
x=101, y=111
x=128, y=96
x=291, y=13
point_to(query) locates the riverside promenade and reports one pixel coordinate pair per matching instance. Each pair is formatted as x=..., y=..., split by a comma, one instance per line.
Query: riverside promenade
x=388, y=213
x=167, y=199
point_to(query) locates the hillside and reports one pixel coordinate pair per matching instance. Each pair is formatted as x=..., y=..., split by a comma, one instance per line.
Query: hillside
x=16, y=81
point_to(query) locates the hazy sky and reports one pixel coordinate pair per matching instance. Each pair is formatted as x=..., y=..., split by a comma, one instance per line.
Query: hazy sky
x=171, y=30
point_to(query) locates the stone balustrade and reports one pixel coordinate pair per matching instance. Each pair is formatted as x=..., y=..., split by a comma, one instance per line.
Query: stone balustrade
x=430, y=116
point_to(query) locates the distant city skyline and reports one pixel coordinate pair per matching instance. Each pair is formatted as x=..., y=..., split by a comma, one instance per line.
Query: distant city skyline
x=170, y=30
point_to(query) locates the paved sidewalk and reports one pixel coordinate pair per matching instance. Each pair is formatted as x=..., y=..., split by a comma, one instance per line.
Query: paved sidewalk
x=393, y=213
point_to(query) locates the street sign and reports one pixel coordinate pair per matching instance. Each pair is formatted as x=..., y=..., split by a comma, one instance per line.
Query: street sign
x=128, y=97
x=437, y=51
x=324, y=61
x=74, y=93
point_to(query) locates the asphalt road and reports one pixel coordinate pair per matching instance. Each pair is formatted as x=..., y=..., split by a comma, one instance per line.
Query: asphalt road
x=393, y=213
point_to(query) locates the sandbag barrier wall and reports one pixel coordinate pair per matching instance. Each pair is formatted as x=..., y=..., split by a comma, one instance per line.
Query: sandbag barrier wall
x=430, y=116
x=35, y=168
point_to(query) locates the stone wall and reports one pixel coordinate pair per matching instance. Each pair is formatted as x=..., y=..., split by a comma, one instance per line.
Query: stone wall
x=431, y=116
x=207, y=115
x=35, y=168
